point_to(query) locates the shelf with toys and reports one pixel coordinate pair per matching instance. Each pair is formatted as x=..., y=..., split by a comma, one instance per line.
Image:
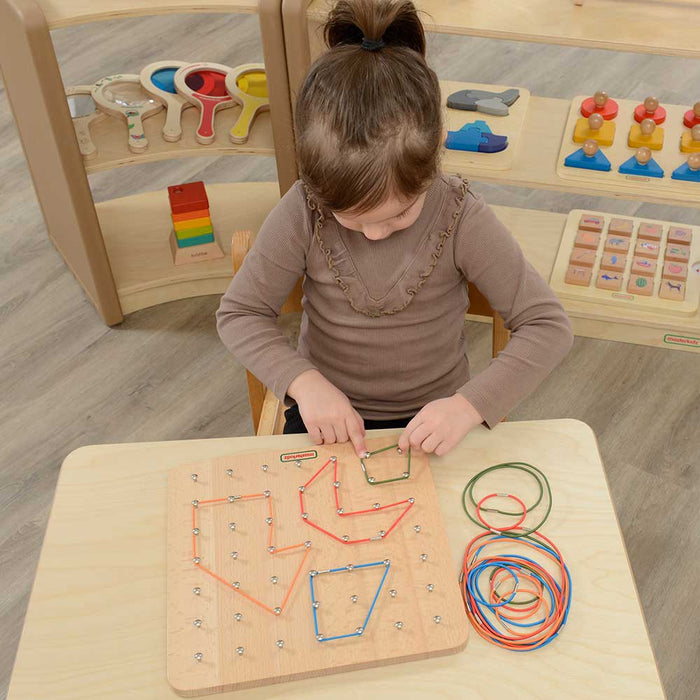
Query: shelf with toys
x=169, y=110
x=540, y=138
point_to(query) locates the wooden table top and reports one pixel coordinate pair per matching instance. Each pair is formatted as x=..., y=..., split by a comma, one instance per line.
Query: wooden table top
x=95, y=627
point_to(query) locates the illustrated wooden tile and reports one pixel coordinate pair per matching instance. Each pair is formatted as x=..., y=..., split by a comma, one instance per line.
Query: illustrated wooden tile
x=188, y=197
x=674, y=271
x=680, y=234
x=677, y=253
x=621, y=227
x=639, y=284
x=675, y=291
x=578, y=275
x=609, y=280
x=643, y=266
x=617, y=244
x=587, y=239
x=613, y=261
x=647, y=249
x=583, y=257
x=591, y=222
x=650, y=232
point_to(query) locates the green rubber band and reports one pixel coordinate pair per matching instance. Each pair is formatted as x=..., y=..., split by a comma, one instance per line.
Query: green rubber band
x=530, y=469
x=372, y=481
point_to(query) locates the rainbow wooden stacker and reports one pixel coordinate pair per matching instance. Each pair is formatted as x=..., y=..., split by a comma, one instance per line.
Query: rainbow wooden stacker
x=192, y=238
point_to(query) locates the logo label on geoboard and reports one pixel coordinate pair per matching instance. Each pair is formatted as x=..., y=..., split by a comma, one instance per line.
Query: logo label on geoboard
x=687, y=341
x=294, y=456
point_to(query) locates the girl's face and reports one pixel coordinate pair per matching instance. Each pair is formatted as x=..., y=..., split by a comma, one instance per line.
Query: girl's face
x=376, y=224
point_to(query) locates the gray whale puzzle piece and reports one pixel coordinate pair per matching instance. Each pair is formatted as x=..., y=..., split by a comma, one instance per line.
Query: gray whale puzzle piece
x=483, y=100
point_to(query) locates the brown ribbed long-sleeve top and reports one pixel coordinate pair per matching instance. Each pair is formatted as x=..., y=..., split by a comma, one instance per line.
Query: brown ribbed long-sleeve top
x=383, y=320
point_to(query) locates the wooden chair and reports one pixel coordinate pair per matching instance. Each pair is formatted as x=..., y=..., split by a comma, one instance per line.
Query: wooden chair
x=265, y=409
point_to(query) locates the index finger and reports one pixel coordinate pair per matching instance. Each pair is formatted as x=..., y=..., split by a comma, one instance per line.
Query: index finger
x=356, y=433
x=405, y=436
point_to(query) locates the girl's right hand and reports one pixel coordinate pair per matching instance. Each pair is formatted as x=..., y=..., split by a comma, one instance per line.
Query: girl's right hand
x=327, y=413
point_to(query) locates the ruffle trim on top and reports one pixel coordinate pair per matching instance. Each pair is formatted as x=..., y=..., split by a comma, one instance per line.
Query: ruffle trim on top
x=416, y=274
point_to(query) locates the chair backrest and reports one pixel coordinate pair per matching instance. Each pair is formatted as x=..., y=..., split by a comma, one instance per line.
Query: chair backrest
x=261, y=404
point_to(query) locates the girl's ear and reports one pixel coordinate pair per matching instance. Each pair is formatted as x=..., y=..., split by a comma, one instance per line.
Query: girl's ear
x=444, y=135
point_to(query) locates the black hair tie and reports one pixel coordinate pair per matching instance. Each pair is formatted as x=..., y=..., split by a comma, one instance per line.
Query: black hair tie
x=371, y=44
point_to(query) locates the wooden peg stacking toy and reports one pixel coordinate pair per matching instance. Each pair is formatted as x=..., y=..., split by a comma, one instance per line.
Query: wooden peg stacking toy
x=646, y=133
x=123, y=96
x=158, y=80
x=588, y=157
x=650, y=109
x=689, y=171
x=596, y=128
x=601, y=104
x=690, y=140
x=192, y=238
x=247, y=85
x=692, y=116
x=641, y=164
x=84, y=112
x=204, y=85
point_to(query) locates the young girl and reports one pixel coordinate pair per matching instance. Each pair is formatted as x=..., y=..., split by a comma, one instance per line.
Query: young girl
x=386, y=243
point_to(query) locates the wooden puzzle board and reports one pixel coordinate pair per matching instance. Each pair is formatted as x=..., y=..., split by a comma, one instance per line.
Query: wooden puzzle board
x=510, y=126
x=669, y=157
x=258, y=630
x=653, y=303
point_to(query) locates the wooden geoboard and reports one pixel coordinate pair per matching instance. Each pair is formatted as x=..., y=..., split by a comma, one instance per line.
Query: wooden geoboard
x=510, y=126
x=669, y=157
x=241, y=615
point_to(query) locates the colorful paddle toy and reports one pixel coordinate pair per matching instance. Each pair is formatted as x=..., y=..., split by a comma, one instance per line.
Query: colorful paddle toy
x=84, y=112
x=158, y=80
x=204, y=85
x=247, y=84
x=123, y=96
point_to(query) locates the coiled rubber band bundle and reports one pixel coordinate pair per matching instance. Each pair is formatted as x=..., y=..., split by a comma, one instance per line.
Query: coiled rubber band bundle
x=511, y=599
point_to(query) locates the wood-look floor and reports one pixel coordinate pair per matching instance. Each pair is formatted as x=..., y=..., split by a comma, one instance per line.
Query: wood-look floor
x=67, y=380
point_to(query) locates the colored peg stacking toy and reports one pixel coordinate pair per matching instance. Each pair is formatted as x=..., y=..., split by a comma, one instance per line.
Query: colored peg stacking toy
x=123, y=96
x=690, y=140
x=596, y=128
x=646, y=134
x=204, y=85
x=84, y=112
x=650, y=109
x=588, y=157
x=601, y=104
x=192, y=238
x=692, y=116
x=642, y=165
x=247, y=85
x=689, y=171
x=158, y=80
x=476, y=136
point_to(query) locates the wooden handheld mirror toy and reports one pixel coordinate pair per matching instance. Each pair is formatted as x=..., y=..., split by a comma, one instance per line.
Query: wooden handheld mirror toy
x=84, y=112
x=247, y=84
x=204, y=85
x=158, y=80
x=123, y=96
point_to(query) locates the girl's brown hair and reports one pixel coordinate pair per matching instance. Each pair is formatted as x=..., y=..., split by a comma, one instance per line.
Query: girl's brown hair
x=369, y=120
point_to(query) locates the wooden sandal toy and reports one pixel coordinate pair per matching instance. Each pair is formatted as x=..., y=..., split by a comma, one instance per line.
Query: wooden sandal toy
x=123, y=96
x=247, y=84
x=84, y=112
x=158, y=80
x=204, y=85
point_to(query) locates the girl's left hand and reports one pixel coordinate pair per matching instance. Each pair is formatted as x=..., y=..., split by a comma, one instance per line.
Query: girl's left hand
x=440, y=425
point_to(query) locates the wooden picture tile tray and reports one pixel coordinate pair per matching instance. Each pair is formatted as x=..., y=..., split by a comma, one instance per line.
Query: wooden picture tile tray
x=257, y=646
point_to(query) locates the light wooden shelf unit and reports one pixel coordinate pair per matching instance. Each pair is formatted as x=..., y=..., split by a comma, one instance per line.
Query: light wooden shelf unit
x=90, y=244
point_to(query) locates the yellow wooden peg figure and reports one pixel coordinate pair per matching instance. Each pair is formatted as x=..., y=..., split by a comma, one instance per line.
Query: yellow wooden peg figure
x=596, y=128
x=646, y=134
x=690, y=140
